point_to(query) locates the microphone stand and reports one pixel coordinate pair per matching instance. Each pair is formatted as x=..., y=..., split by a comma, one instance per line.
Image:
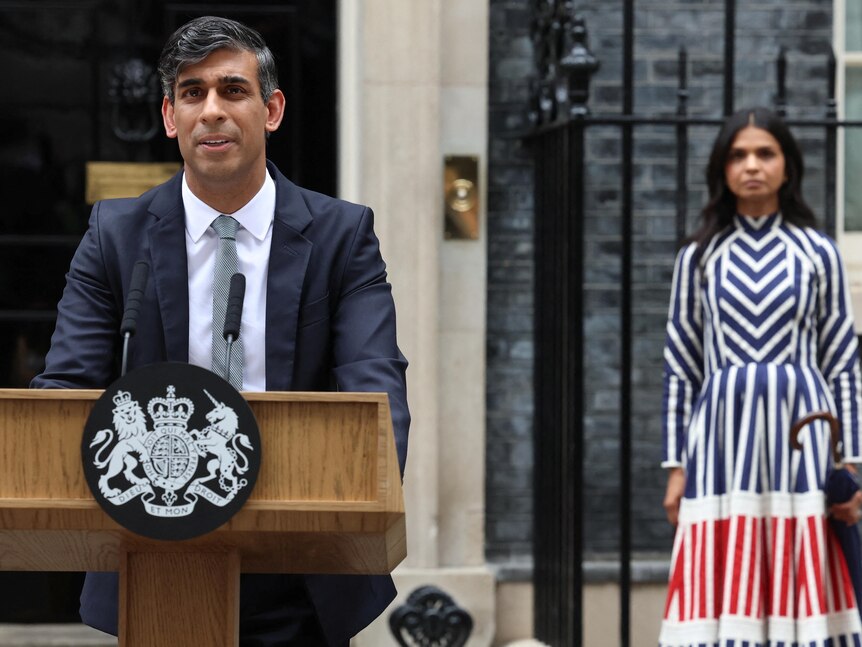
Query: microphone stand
x=229, y=349
x=126, y=337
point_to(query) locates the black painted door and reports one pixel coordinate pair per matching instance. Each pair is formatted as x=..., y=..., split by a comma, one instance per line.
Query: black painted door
x=81, y=88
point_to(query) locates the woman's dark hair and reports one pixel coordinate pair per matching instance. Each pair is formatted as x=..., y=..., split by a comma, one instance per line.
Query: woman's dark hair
x=200, y=37
x=721, y=208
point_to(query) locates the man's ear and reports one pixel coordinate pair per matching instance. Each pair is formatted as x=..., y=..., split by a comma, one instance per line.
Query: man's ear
x=275, y=111
x=168, y=118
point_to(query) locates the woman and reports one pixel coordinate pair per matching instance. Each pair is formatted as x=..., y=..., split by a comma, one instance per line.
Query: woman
x=759, y=334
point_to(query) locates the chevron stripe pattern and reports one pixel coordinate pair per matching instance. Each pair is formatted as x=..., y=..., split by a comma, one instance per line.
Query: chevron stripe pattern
x=759, y=334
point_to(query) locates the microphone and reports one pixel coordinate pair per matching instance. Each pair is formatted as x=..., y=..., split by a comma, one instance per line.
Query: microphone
x=129, y=325
x=233, y=315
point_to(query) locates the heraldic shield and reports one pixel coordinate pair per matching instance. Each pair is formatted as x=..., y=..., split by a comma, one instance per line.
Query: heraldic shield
x=171, y=451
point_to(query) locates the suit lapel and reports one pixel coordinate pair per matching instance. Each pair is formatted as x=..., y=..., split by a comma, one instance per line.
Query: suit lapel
x=288, y=262
x=170, y=268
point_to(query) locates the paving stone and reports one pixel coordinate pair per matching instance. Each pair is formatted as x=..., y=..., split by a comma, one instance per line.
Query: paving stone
x=53, y=635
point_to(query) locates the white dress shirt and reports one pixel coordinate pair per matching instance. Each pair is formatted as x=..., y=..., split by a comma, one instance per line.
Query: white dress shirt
x=253, y=241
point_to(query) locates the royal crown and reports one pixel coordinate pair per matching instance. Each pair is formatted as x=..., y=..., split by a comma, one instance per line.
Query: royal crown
x=123, y=402
x=170, y=411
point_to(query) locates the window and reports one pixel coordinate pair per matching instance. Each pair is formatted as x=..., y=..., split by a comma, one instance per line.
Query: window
x=847, y=43
x=848, y=37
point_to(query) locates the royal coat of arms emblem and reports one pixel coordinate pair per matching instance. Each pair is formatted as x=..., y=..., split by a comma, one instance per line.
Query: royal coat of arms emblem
x=153, y=454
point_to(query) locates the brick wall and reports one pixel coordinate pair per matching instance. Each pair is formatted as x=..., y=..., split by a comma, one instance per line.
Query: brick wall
x=661, y=27
x=510, y=289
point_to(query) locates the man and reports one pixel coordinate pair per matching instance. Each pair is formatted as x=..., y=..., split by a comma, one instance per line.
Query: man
x=318, y=313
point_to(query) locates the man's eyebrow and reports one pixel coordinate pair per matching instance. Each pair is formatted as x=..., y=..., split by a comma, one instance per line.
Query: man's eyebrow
x=235, y=78
x=225, y=80
x=189, y=82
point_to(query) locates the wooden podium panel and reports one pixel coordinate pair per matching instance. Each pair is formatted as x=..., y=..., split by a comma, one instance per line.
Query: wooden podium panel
x=209, y=617
x=327, y=500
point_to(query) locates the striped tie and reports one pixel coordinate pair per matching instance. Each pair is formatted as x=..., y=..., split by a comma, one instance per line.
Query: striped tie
x=226, y=266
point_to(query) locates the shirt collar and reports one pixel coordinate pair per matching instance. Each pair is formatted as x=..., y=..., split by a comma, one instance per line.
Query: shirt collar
x=255, y=216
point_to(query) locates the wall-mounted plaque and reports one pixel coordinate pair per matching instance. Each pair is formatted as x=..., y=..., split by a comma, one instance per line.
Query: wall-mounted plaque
x=125, y=179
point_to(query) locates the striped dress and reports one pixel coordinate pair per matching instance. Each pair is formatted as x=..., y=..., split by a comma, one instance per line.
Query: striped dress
x=759, y=334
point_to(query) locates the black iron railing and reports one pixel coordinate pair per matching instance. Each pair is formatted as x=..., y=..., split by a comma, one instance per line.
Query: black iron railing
x=560, y=119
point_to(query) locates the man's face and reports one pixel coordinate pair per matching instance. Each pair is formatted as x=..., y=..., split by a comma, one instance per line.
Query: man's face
x=220, y=122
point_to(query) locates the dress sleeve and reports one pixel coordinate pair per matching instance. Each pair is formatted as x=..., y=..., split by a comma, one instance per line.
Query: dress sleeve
x=838, y=348
x=683, y=355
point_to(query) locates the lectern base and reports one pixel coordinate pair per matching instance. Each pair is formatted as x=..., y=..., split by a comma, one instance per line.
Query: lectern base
x=179, y=599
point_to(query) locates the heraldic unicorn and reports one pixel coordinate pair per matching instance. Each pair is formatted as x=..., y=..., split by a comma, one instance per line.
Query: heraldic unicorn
x=161, y=463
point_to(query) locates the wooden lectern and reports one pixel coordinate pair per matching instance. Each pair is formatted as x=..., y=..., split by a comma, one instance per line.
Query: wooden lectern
x=327, y=500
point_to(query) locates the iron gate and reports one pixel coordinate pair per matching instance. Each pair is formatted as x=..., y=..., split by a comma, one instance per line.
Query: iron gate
x=560, y=118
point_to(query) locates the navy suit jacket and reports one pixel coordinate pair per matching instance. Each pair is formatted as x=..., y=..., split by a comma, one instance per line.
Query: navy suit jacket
x=330, y=324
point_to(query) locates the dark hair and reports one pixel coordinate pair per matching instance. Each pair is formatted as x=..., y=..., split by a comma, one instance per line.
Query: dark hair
x=721, y=208
x=200, y=37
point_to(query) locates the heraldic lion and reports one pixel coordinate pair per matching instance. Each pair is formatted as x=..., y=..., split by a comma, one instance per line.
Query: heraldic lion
x=131, y=426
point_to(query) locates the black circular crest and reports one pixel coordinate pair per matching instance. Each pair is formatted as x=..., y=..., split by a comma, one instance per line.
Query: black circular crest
x=171, y=451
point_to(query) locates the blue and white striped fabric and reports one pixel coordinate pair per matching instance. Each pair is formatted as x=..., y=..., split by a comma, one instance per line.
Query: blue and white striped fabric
x=768, y=294
x=760, y=333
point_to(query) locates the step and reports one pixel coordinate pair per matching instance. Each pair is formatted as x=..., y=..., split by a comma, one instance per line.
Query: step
x=53, y=635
